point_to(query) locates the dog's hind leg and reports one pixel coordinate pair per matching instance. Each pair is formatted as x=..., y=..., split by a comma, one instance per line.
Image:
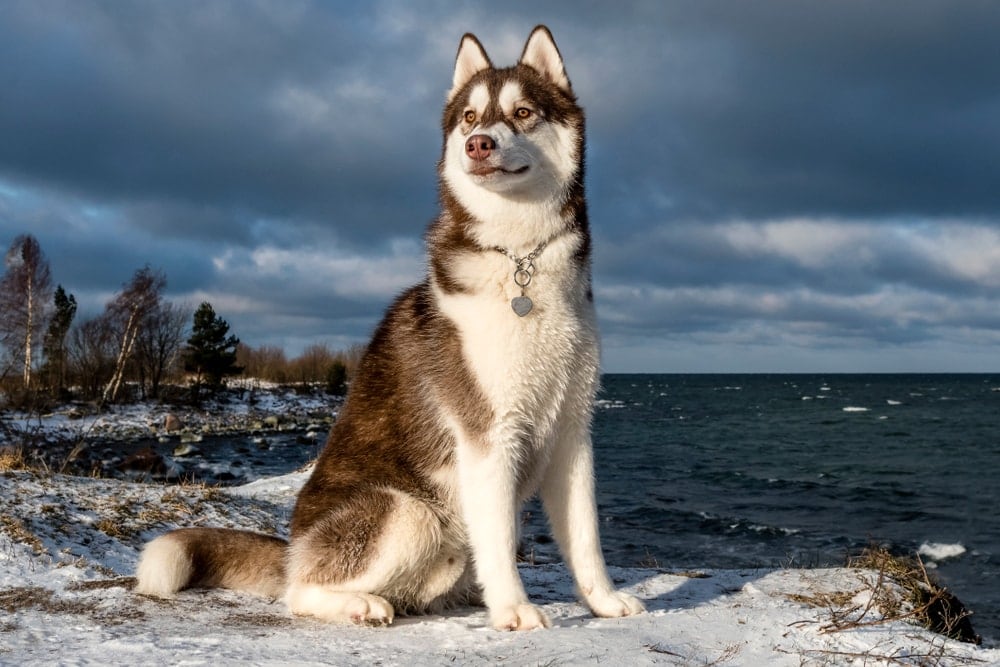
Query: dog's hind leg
x=379, y=549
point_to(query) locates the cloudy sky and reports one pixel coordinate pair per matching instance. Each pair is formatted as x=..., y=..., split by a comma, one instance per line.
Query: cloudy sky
x=774, y=186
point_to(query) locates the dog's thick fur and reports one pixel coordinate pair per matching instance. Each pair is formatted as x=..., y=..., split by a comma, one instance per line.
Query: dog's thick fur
x=461, y=409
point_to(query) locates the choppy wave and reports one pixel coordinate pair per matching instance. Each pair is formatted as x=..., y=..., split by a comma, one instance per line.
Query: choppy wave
x=938, y=551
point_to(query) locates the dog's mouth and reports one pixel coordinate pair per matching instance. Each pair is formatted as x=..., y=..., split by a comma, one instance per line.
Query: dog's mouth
x=485, y=170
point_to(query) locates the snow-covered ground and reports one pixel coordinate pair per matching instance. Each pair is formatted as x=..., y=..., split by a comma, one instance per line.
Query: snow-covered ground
x=69, y=545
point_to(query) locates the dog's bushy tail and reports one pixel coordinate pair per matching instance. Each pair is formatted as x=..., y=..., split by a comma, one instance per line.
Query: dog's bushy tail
x=212, y=558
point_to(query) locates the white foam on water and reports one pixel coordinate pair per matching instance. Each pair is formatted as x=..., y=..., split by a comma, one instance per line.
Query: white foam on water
x=854, y=408
x=940, y=550
x=892, y=402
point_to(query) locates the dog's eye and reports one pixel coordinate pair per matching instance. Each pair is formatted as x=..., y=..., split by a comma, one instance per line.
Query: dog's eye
x=523, y=112
x=470, y=116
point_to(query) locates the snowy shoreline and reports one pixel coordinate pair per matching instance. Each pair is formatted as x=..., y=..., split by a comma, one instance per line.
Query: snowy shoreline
x=68, y=547
x=241, y=409
x=80, y=439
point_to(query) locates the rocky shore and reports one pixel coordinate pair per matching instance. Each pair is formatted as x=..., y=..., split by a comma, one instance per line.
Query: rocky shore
x=145, y=438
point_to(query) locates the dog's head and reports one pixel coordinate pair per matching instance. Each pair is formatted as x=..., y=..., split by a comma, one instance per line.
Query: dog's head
x=515, y=132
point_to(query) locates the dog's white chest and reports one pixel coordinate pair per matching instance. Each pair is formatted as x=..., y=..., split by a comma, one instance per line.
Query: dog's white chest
x=524, y=363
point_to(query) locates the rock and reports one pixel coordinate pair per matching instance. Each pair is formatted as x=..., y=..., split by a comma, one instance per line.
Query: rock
x=191, y=437
x=271, y=421
x=174, y=471
x=186, y=449
x=947, y=615
x=145, y=460
x=172, y=423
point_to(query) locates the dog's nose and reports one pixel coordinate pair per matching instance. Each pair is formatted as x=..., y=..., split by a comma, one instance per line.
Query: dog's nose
x=478, y=146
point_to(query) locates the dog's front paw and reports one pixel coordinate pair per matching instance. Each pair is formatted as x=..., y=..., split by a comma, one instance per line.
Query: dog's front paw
x=519, y=617
x=365, y=609
x=614, y=604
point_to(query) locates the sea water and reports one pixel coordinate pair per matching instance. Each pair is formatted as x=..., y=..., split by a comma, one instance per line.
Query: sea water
x=746, y=471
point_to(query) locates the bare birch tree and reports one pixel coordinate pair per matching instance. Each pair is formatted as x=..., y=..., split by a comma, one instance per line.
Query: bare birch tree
x=128, y=311
x=90, y=350
x=159, y=344
x=25, y=293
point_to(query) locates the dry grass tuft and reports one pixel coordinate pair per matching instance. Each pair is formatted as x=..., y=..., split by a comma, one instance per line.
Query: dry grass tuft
x=114, y=527
x=834, y=600
x=128, y=583
x=24, y=598
x=16, y=457
x=32, y=597
x=902, y=589
x=213, y=493
x=18, y=531
x=12, y=458
x=693, y=574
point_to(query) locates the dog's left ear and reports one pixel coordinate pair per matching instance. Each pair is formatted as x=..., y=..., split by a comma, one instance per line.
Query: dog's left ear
x=540, y=53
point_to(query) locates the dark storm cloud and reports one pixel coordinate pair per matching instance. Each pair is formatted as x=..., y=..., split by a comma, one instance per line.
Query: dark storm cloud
x=784, y=108
x=734, y=109
x=817, y=175
x=275, y=109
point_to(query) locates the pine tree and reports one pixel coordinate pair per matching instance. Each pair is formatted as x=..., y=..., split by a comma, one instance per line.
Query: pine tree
x=336, y=378
x=54, y=343
x=210, y=352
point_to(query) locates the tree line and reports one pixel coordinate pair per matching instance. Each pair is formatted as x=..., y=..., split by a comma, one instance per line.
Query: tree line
x=140, y=344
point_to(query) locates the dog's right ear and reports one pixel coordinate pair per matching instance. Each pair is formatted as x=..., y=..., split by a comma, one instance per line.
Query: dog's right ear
x=471, y=59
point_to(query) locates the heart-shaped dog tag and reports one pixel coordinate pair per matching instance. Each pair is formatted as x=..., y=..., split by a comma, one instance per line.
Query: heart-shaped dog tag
x=522, y=305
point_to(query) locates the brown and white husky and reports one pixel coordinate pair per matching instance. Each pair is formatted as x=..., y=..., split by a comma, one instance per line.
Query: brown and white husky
x=476, y=391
